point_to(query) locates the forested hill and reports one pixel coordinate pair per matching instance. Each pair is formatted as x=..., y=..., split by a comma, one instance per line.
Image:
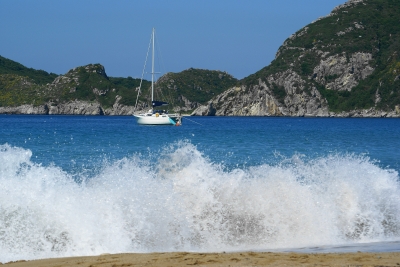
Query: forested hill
x=82, y=90
x=190, y=88
x=8, y=66
x=88, y=90
x=344, y=64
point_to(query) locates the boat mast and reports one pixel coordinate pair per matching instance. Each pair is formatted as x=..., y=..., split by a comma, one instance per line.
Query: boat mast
x=152, y=69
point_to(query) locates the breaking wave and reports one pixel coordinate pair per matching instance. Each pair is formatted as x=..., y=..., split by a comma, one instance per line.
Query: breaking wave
x=184, y=202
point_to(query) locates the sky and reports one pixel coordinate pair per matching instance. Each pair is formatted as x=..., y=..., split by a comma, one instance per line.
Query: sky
x=236, y=36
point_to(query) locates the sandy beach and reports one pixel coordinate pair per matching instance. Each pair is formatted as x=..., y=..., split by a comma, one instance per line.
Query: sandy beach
x=220, y=259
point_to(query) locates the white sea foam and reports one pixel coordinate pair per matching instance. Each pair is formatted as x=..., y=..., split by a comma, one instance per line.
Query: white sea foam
x=184, y=202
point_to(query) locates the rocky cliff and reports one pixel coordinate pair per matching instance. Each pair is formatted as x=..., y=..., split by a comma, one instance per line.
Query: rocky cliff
x=343, y=64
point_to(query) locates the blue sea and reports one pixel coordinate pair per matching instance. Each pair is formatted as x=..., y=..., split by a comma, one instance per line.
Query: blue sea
x=86, y=185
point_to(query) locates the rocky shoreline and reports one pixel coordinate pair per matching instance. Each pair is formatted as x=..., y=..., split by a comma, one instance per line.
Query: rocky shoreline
x=95, y=109
x=209, y=110
x=70, y=108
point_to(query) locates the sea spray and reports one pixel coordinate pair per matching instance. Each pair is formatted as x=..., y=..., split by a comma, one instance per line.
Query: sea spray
x=180, y=200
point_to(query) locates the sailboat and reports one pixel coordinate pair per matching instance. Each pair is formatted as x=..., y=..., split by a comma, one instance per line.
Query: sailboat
x=156, y=116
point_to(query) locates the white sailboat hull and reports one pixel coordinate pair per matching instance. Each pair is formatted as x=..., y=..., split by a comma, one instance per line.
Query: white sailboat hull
x=145, y=119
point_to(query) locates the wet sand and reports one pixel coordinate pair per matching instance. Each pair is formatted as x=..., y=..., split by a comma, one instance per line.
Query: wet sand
x=249, y=259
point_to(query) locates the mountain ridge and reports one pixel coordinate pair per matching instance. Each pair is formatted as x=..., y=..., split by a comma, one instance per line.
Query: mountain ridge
x=344, y=64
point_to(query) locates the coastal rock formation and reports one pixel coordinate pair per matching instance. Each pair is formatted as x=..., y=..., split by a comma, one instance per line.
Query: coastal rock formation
x=188, y=105
x=339, y=73
x=69, y=108
x=287, y=93
x=191, y=87
x=75, y=108
x=84, y=90
x=119, y=109
x=25, y=109
x=366, y=113
x=260, y=99
x=337, y=66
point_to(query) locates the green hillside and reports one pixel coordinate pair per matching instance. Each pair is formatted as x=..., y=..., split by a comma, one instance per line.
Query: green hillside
x=369, y=26
x=91, y=83
x=16, y=90
x=20, y=85
x=195, y=85
x=8, y=66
